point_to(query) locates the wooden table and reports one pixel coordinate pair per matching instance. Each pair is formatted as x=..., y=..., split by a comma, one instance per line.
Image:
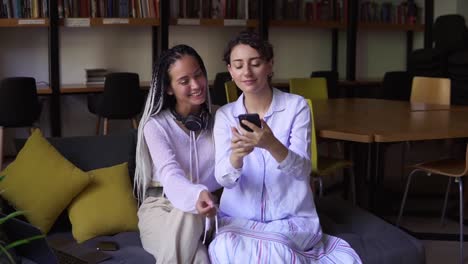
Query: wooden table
x=378, y=122
x=375, y=120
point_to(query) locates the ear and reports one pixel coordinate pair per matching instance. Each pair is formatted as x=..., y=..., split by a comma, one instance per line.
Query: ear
x=229, y=69
x=270, y=65
x=170, y=91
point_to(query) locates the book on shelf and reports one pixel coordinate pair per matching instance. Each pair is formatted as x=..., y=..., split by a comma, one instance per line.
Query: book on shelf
x=96, y=76
x=308, y=10
x=213, y=9
x=405, y=12
x=23, y=9
x=108, y=8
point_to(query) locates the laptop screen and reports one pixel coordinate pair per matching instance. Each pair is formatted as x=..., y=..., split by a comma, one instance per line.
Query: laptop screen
x=37, y=250
x=50, y=250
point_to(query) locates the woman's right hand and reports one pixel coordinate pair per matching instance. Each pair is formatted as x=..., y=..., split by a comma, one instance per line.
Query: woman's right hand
x=205, y=204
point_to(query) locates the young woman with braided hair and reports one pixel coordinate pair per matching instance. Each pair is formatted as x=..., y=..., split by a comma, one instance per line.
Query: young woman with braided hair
x=175, y=159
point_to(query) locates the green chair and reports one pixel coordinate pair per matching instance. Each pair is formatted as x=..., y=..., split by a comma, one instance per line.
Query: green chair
x=313, y=88
x=231, y=91
x=325, y=166
x=309, y=88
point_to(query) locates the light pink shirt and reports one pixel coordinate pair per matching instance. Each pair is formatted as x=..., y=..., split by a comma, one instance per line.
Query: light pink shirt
x=175, y=155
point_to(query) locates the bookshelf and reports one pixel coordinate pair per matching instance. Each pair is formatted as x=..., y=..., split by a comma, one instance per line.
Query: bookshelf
x=260, y=17
x=58, y=23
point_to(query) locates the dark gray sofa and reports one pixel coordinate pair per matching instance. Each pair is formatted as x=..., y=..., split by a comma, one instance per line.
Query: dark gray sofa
x=374, y=240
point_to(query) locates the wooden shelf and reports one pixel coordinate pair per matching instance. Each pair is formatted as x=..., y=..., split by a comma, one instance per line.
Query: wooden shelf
x=214, y=22
x=91, y=22
x=24, y=22
x=310, y=24
x=95, y=88
x=43, y=90
x=391, y=27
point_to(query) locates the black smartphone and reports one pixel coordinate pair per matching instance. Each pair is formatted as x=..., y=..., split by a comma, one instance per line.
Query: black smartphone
x=107, y=246
x=252, y=118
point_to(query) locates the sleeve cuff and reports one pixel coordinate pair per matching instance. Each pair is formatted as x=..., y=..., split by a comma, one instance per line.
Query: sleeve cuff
x=200, y=188
x=287, y=162
x=231, y=178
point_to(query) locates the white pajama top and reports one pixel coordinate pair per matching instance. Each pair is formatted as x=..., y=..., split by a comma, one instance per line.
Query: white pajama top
x=172, y=150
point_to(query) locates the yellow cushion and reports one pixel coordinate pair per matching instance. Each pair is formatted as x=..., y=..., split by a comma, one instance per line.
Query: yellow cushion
x=106, y=206
x=41, y=182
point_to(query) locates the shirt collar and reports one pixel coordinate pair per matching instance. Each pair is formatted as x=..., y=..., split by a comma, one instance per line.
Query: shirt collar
x=277, y=104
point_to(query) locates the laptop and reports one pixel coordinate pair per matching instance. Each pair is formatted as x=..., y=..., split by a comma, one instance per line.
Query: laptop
x=50, y=251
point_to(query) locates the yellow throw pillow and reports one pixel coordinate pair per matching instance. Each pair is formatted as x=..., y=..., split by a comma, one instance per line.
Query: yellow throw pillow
x=106, y=206
x=41, y=182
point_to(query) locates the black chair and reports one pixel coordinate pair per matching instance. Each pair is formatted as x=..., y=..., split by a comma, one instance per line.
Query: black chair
x=218, y=92
x=332, y=82
x=122, y=99
x=19, y=105
x=458, y=74
x=396, y=85
x=449, y=35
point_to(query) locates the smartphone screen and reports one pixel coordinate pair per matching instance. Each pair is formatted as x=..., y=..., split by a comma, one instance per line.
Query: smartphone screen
x=252, y=118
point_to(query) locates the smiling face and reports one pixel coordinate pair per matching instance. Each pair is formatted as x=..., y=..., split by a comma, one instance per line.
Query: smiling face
x=248, y=70
x=188, y=85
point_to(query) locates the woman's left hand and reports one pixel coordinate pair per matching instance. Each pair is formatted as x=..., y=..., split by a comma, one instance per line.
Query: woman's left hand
x=205, y=205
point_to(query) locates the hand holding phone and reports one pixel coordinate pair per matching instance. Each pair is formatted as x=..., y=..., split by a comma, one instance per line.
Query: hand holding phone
x=252, y=118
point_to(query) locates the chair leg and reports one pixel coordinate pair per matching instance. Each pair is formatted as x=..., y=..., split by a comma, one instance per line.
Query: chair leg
x=98, y=126
x=408, y=182
x=320, y=187
x=403, y=160
x=353, y=185
x=339, y=148
x=444, y=208
x=134, y=123
x=460, y=187
x=1, y=147
x=106, y=126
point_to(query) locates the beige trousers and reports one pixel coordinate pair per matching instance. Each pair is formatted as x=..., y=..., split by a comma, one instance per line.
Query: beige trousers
x=170, y=235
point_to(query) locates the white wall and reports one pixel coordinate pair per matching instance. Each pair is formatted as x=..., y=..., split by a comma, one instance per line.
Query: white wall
x=462, y=8
x=298, y=52
x=445, y=7
x=116, y=49
x=24, y=52
x=209, y=42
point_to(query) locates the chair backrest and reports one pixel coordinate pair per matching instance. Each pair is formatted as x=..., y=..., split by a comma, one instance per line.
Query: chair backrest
x=19, y=103
x=313, y=140
x=231, y=91
x=218, y=91
x=458, y=74
x=332, y=82
x=396, y=85
x=450, y=32
x=122, y=96
x=310, y=88
x=430, y=90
